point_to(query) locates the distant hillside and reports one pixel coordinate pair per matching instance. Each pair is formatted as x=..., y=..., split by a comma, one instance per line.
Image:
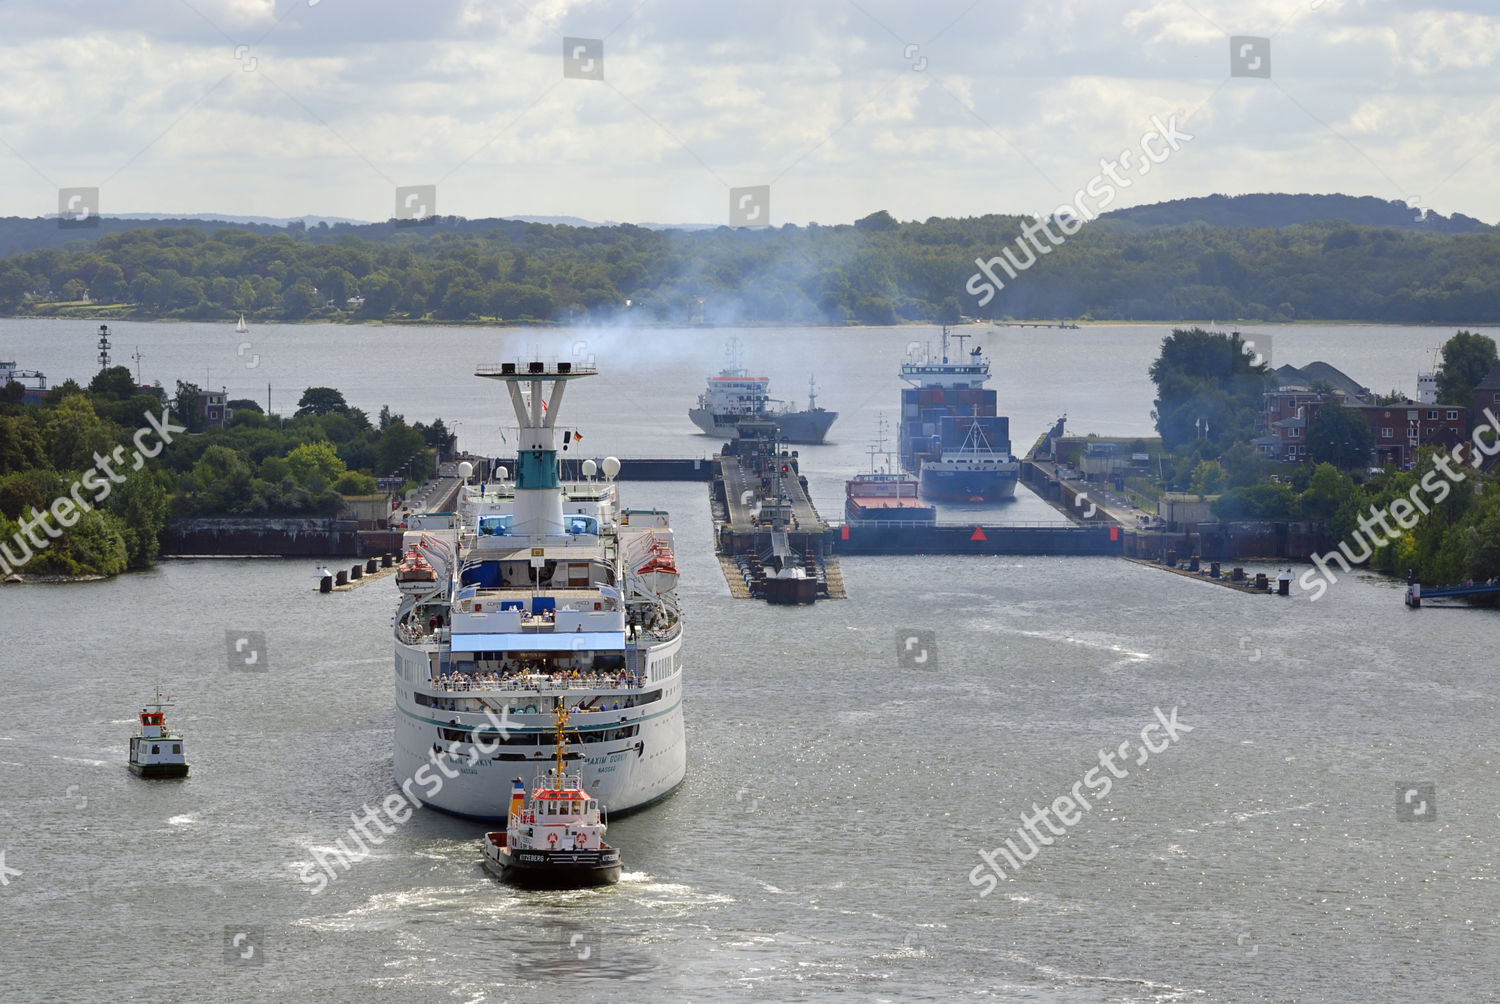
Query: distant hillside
x=19, y=235
x=1133, y=266
x=1273, y=210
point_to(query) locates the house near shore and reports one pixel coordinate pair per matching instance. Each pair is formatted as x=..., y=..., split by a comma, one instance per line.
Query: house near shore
x=1399, y=431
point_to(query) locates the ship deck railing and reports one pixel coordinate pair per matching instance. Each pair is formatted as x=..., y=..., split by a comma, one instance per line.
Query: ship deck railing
x=953, y=524
x=459, y=683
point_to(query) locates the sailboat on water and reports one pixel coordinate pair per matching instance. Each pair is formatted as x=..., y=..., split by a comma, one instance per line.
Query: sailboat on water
x=242, y=328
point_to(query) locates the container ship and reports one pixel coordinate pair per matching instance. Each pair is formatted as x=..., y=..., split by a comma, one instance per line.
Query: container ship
x=534, y=595
x=951, y=439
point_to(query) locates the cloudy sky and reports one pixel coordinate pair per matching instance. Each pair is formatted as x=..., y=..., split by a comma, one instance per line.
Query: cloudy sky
x=842, y=107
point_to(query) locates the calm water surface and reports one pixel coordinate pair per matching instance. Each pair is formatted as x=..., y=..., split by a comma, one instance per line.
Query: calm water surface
x=836, y=800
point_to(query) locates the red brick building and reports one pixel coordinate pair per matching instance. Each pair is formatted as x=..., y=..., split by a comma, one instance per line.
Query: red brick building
x=1398, y=430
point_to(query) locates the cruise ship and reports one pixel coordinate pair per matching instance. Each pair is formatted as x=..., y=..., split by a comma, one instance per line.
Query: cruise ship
x=951, y=438
x=734, y=396
x=535, y=595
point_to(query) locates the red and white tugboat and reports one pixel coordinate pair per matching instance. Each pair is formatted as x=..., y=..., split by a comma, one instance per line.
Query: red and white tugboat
x=157, y=751
x=555, y=836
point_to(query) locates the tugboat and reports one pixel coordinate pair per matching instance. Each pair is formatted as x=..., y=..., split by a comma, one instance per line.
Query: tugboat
x=555, y=836
x=157, y=751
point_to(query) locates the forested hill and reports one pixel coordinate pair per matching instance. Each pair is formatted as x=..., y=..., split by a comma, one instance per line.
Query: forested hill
x=1270, y=210
x=1135, y=265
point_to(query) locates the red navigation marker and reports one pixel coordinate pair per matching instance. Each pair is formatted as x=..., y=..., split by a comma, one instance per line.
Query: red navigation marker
x=844, y=532
x=1114, y=533
x=978, y=533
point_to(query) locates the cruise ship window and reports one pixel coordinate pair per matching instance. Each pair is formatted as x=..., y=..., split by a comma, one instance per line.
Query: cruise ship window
x=155, y=748
x=177, y=747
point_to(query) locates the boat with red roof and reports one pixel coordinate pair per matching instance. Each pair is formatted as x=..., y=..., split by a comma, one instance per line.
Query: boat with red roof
x=157, y=751
x=554, y=838
x=884, y=496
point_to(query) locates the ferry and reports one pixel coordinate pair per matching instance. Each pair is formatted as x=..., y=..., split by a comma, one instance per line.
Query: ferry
x=554, y=837
x=734, y=397
x=885, y=496
x=157, y=751
x=951, y=438
x=543, y=595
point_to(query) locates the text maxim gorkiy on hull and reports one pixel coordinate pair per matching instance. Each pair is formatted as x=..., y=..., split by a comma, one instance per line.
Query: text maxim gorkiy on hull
x=541, y=594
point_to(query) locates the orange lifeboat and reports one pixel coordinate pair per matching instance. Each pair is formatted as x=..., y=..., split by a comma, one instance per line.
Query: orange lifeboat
x=415, y=573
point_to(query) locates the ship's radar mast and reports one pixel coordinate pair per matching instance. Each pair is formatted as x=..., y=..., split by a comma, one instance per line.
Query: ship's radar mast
x=536, y=393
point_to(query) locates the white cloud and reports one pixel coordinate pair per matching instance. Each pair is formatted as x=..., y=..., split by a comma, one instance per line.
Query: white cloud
x=1013, y=106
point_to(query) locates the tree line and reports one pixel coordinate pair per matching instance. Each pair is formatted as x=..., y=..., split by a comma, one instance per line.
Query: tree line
x=875, y=271
x=256, y=465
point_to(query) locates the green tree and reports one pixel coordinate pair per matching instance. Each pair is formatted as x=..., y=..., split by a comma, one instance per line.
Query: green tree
x=398, y=444
x=74, y=433
x=108, y=284
x=381, y=294
x=1268, y=501
x=1207, y=387
x=188, y=406
x=14, y=285
x=1467, y=357
x=315, y=465
x=140, y=503
x=1339, y=436
x=116, y=383
x=21, y=443
x=321, y=401
x=220, y=480
x=1208, y=479
x=298, y=300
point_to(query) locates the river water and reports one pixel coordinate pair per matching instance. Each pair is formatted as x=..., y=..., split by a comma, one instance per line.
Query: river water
x=839, y=792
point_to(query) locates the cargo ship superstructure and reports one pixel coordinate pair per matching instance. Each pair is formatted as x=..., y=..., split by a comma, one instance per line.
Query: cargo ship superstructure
x=545, y=595
x=950, y=436
x=883, y=495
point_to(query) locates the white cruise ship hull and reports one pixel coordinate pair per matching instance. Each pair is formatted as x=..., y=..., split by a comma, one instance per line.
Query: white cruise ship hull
x=624, y=774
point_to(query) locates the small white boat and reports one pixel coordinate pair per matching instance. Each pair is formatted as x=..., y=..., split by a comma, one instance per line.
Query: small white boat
x=242, y=328
x=555, y=836
x=157, y=751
